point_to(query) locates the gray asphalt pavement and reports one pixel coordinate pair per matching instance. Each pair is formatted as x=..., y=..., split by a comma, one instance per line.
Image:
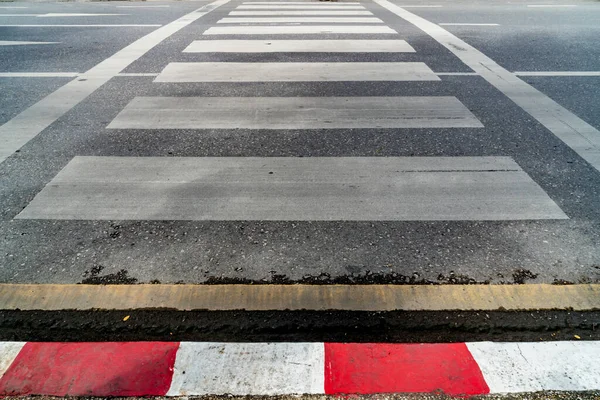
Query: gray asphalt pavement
x=463, y=240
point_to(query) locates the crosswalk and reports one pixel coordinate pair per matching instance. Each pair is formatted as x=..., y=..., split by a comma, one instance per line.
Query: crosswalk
x=290, y=188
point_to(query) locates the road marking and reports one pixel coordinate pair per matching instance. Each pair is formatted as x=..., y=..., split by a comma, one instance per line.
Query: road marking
x=307, y=7
x=16, y=43
x=420, y=6
x=301, y=297
x=550, y=5
x=273, y=20
x=56, y=15
x=301, y=30
x=306, y=13
x=296, y=72
x=39, y=74
x=456, y=73
x=29, y=123
x=8, y=352
x=557, y=73
x=83, y=26
x=313, y=46
x=580, y=136
x=249, y=368
x=155, y=6
x=464, y=24
x=294, y=113
x=297, y=2
x=556, y=363
x=292, y=189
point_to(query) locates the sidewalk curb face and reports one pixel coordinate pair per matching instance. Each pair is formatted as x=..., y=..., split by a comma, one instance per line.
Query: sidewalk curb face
x=25, y=297
x=213, y=368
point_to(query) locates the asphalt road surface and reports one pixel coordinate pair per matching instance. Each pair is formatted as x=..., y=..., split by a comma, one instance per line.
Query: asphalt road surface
x=376, y=141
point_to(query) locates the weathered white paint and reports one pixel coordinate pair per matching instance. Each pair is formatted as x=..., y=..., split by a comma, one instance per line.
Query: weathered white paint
x=292, y=189
x=296, y=72
x=296, y=20
x=29, y=123
x=301, y=30
x=580, y=136
x=305, y=7
x=248, y=369
x=294, y=113
x=296, y=12
x=19, y=43
x=533, y=367
x=308, y=46
x=8, y=352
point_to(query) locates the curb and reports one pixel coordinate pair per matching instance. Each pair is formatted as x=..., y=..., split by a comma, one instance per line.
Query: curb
x=209, y=368
x=51, y=297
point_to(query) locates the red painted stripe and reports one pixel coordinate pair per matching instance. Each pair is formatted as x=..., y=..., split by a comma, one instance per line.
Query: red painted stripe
x=98, y=369
x=397, y=368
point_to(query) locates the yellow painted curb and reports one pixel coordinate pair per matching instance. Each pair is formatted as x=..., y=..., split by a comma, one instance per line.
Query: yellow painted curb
x=300, y=297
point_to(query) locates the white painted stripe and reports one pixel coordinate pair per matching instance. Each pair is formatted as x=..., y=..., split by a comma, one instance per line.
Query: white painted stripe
x=56, y=15
x=248, y=369
x=294, y=113
x=39, y=74
x=572, y=130
x=312, y=46
x=307, y=7
x=456, y=73
x=296, y=72
x=550, y=5
x=464, y=24
x=29, y=123
x=11, y=7
x=533, y=367
x=8, y=353
x=305, y=13
x=420, y=6
x=83, y=26
x=292, y=189
x=16, y=43
x=301, y=30
x=274, y=20
x=298, y=2
x=557, y=73
x=154, y=6
x=138, y=74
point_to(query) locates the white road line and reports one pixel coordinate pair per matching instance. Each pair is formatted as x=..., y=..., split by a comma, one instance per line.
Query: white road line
x=533, y=367
x=294, y=113
x=274, y=20
x=464, y=24
x=550, y=5
x=307, y=7
x=312, y=46
x=156, y=6
x=29, y=123
x=457, y=73
x=248, y=369
x=557, y=73
x=17, y=43
x=296, y=3
x=295, y=72
x=572, y=130
x=59, y=15
x=39, y=74
x=305, y=13
x=81, y=26
x=301, y=30
x=292, y=189
x=421, y=6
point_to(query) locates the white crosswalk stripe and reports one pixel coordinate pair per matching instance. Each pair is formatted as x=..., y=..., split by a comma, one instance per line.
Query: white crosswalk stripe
x=300, y=29
x=304, y=12
x=327, y=20
x=296, y=72
x=307, y=46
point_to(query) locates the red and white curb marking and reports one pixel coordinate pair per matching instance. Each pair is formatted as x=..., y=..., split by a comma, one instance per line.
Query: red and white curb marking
x=198, y=368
